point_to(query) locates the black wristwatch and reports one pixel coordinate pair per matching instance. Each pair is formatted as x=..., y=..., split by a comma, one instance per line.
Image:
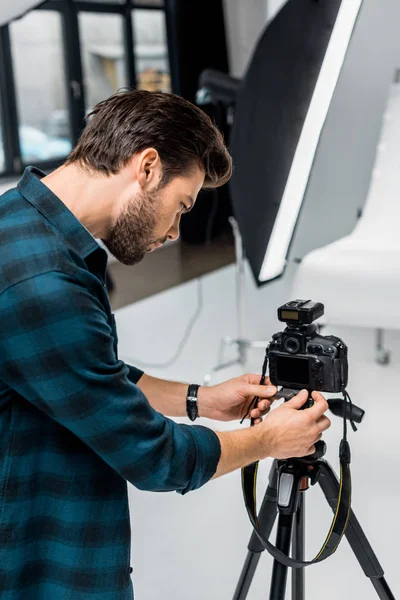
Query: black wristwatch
x=191, y=402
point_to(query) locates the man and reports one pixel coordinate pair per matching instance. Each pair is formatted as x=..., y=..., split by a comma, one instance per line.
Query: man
x=76, y=423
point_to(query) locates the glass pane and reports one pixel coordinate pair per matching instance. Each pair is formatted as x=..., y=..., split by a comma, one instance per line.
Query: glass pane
x=2, y=157
x=39, y=70
x=149, y=2
x=104, y=1
x=151, y=50
x=103, y=58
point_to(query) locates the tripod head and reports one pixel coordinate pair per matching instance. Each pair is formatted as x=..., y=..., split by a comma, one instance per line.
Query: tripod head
x=337, y=406
x=295, y=474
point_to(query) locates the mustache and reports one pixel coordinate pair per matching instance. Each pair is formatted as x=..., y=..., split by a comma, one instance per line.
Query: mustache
x=160, y=240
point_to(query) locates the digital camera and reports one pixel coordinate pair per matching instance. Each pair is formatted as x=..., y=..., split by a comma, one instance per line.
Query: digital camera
x=301, y=358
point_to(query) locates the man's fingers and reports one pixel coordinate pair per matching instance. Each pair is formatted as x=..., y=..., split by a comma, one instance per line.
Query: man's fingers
x=298, y=401
x=255, y=414
x=264, y=405
x=261, y=410
x=323, y=423
x=254, y=379
x=320, y=405
x=262, y=391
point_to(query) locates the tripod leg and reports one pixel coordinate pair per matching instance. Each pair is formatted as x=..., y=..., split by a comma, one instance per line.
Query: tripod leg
x=355, y=536
x=298, y=588
x=266, y=519
x=279, y=571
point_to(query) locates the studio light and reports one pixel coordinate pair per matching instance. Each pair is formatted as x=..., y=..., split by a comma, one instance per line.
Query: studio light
x=280, y=114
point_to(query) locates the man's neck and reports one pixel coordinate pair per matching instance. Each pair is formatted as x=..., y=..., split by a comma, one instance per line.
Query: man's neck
x=88, y=197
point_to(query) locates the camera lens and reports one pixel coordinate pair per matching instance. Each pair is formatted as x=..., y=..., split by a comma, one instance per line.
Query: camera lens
x=292, y=345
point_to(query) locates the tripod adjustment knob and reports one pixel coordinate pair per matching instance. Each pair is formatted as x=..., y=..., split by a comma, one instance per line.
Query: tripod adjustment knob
x=320, y=450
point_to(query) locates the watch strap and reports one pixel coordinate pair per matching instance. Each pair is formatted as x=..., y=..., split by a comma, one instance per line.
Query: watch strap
x=191, y=402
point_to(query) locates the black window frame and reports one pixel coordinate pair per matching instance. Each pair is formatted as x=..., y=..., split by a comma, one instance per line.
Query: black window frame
x=73, y=72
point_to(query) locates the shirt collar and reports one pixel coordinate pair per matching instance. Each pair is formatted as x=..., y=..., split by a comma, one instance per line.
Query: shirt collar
x=55, y=211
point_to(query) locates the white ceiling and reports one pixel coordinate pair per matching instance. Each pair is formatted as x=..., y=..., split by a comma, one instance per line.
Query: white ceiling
x=11, y=9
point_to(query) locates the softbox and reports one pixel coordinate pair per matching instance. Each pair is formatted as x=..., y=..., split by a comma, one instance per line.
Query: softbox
x=280, y=112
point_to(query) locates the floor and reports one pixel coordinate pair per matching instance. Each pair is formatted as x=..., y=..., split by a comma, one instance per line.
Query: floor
x=193, y=547
x=169, y=266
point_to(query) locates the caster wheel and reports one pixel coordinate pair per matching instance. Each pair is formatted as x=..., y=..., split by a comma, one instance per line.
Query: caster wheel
x=383, y=357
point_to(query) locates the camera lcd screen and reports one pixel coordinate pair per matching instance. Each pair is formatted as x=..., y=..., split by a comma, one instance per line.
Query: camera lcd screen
x=293, y=370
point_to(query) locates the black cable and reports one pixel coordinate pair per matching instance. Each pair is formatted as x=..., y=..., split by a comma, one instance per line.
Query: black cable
x=256, y=399
x=348, y=399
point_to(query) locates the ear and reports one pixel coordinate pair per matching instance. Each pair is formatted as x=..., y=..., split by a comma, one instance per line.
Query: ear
x=149, y=169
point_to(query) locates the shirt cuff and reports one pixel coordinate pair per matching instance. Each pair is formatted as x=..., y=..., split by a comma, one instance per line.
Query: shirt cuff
x=208, y=453
x=134, y=374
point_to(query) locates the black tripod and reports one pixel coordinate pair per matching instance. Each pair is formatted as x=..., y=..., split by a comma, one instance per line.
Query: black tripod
x=288, y=481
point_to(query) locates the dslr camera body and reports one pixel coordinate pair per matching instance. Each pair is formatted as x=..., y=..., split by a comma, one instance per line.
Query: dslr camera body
x=301, y=358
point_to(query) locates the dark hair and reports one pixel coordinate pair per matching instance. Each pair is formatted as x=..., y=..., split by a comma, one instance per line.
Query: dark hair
x=132, y=120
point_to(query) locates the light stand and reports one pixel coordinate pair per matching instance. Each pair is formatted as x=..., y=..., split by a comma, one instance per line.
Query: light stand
x=241, y=344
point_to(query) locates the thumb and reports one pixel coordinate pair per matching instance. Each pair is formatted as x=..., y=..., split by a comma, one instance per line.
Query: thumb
x=298, y=401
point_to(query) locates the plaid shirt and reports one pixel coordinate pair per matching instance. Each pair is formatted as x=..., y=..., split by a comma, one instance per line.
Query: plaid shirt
x=74, y=427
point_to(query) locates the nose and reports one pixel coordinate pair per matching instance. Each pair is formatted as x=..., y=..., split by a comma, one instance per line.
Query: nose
x=173, y=233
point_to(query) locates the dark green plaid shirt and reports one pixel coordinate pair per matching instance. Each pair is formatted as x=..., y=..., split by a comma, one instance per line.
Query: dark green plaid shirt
x=74, y=427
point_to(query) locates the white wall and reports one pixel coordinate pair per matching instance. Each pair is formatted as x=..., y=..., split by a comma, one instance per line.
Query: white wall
x=245, y=21
x=274, y=6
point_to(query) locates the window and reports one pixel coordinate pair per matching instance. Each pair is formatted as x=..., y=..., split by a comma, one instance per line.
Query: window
x=2, y=156
x=151, y=50
x=103, y=56
x=149, y=2
x=2, y=161
x=64, y=56
x=39, y=72
x=105, y=1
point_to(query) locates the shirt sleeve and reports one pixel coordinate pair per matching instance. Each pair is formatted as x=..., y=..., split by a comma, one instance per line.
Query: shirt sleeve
x=134, y=374
x=57, y=351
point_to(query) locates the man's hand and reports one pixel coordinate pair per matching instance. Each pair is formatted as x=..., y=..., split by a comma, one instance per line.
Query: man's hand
x=229, y=401
x=285, y=433
x=290, y=432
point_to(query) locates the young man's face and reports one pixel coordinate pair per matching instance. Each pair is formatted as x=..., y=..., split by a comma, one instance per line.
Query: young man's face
x=147, y=220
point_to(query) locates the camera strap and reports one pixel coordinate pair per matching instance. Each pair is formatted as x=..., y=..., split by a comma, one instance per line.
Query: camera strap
x=343, y=507
x=340, y=519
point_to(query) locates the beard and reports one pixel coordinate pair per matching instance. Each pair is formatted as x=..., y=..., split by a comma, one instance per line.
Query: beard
x=133, y=234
